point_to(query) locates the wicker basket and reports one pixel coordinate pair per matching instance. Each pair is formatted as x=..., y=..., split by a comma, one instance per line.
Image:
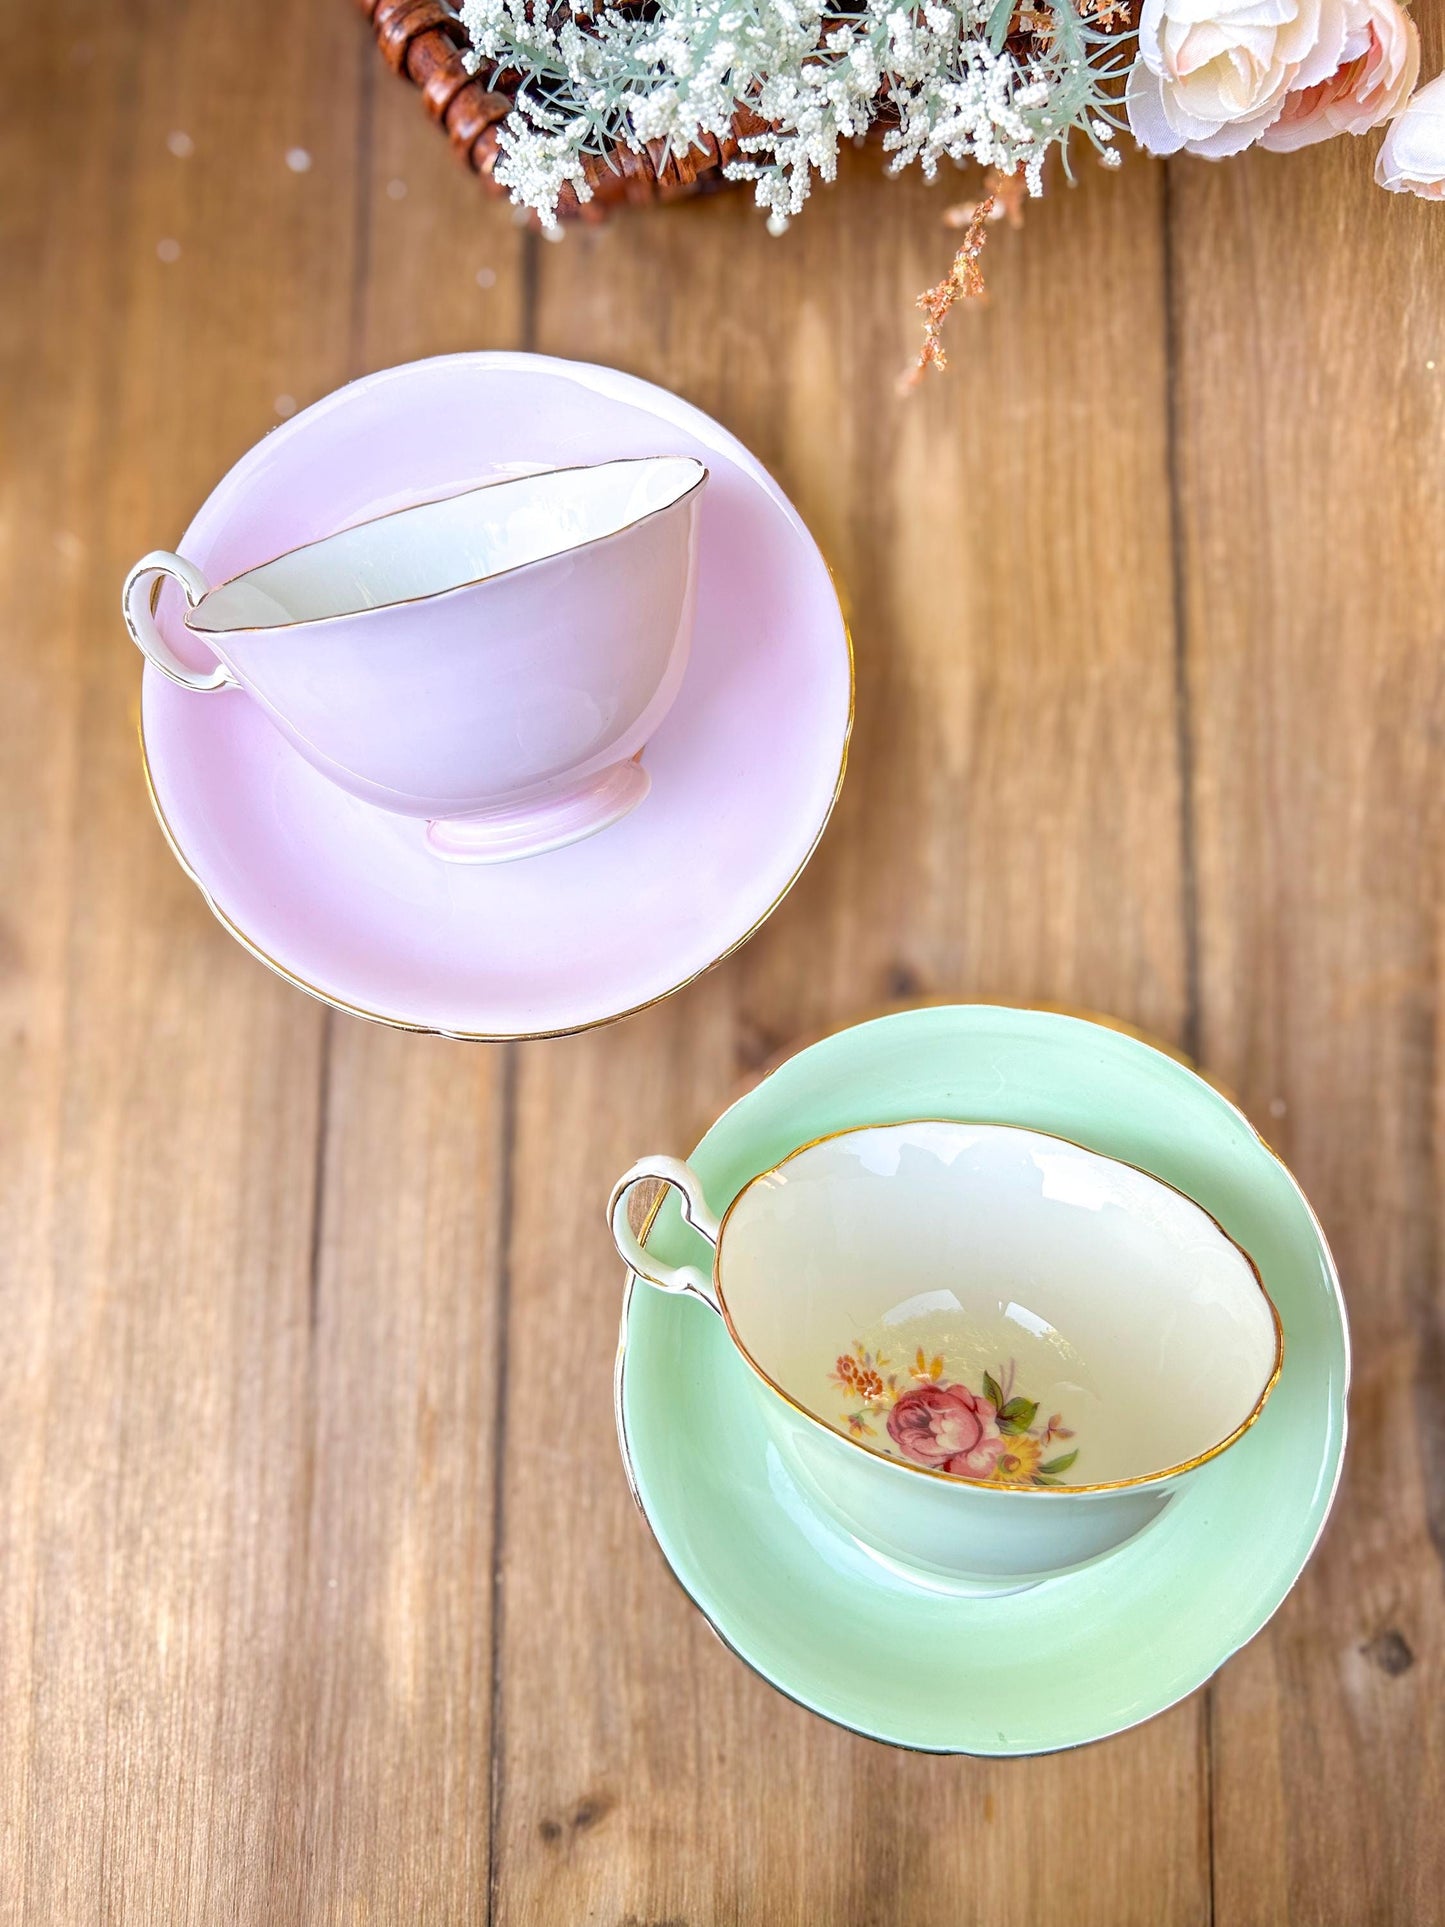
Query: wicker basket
x=423, y=41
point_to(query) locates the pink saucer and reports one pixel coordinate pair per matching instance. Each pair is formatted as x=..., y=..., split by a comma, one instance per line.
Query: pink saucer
x=345, y=900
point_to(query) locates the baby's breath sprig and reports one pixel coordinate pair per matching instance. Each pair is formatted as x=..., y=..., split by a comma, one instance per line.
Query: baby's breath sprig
x=993, y=81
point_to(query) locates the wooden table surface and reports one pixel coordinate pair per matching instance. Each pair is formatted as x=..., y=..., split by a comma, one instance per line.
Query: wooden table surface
x=302, y=1617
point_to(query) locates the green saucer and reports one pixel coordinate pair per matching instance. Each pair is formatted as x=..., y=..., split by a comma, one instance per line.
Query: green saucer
x=1074, y=1659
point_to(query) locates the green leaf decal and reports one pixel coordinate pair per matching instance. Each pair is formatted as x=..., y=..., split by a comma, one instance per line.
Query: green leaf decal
x=992, y=1390
x=1018, y=1415
x=1061, y=1464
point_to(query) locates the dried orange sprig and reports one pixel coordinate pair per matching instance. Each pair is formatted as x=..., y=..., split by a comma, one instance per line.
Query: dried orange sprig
x=1008, y=192
x=1109, y=16
x=964, y=282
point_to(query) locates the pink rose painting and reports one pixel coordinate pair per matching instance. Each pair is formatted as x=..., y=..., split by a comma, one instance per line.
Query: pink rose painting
x=949, y=1427
x=992, y=1435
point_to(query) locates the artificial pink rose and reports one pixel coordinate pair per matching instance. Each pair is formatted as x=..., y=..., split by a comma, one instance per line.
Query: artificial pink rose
x=1211, y=75
x=1378, y=67
x=937, y=1424
x=1412, y=157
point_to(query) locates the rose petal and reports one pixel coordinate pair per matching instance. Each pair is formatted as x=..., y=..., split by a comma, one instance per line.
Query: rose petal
x=1235, y=136
x=1412, y=157
x=1144, y=102
x=1378, y=67
x=1327, y=49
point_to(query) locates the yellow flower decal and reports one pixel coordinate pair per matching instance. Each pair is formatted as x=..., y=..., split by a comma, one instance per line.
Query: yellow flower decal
x=1019, y=1460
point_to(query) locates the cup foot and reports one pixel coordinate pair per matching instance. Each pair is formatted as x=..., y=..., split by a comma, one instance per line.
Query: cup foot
x=506, y=835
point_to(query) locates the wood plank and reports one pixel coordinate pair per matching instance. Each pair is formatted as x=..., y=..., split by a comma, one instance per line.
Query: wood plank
x=1310, y=320
x=388, y=1715
x=160, y=1122
x=443, y=262
x=1011, y=824
x=388, y=1719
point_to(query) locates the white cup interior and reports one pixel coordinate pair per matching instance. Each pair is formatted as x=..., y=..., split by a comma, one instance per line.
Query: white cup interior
x=438, y=546
x=998, y=1304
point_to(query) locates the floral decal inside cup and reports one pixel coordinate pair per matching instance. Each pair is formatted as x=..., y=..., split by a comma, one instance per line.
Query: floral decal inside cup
x=994, y=1433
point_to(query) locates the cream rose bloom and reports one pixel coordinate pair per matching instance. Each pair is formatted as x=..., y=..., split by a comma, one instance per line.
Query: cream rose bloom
x=1212, y=75
x=1412, y=158
x=1378, y=67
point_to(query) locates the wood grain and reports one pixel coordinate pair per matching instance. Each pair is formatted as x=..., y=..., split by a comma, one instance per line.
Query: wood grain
x=161, y=1113
x=1312, y=470
x=1011, y=823
x=307, y=1613
x=390, y=1685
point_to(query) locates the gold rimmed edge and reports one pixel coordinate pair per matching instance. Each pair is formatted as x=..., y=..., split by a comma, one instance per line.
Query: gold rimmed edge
x=1041, y=1493
x=248, y=943
x=452, y=588
x=872, y=1013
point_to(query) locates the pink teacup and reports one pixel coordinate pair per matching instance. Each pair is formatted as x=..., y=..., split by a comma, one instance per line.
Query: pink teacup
x=493, y=661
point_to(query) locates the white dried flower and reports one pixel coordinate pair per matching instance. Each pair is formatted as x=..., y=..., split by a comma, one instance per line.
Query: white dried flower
x=596, y=78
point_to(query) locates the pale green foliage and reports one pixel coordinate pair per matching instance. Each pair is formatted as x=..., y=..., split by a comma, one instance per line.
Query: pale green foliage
x=940, y=75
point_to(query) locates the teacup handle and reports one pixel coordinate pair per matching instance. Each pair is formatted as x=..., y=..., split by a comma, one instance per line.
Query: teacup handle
x=695, y=1208
x=135, y=602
